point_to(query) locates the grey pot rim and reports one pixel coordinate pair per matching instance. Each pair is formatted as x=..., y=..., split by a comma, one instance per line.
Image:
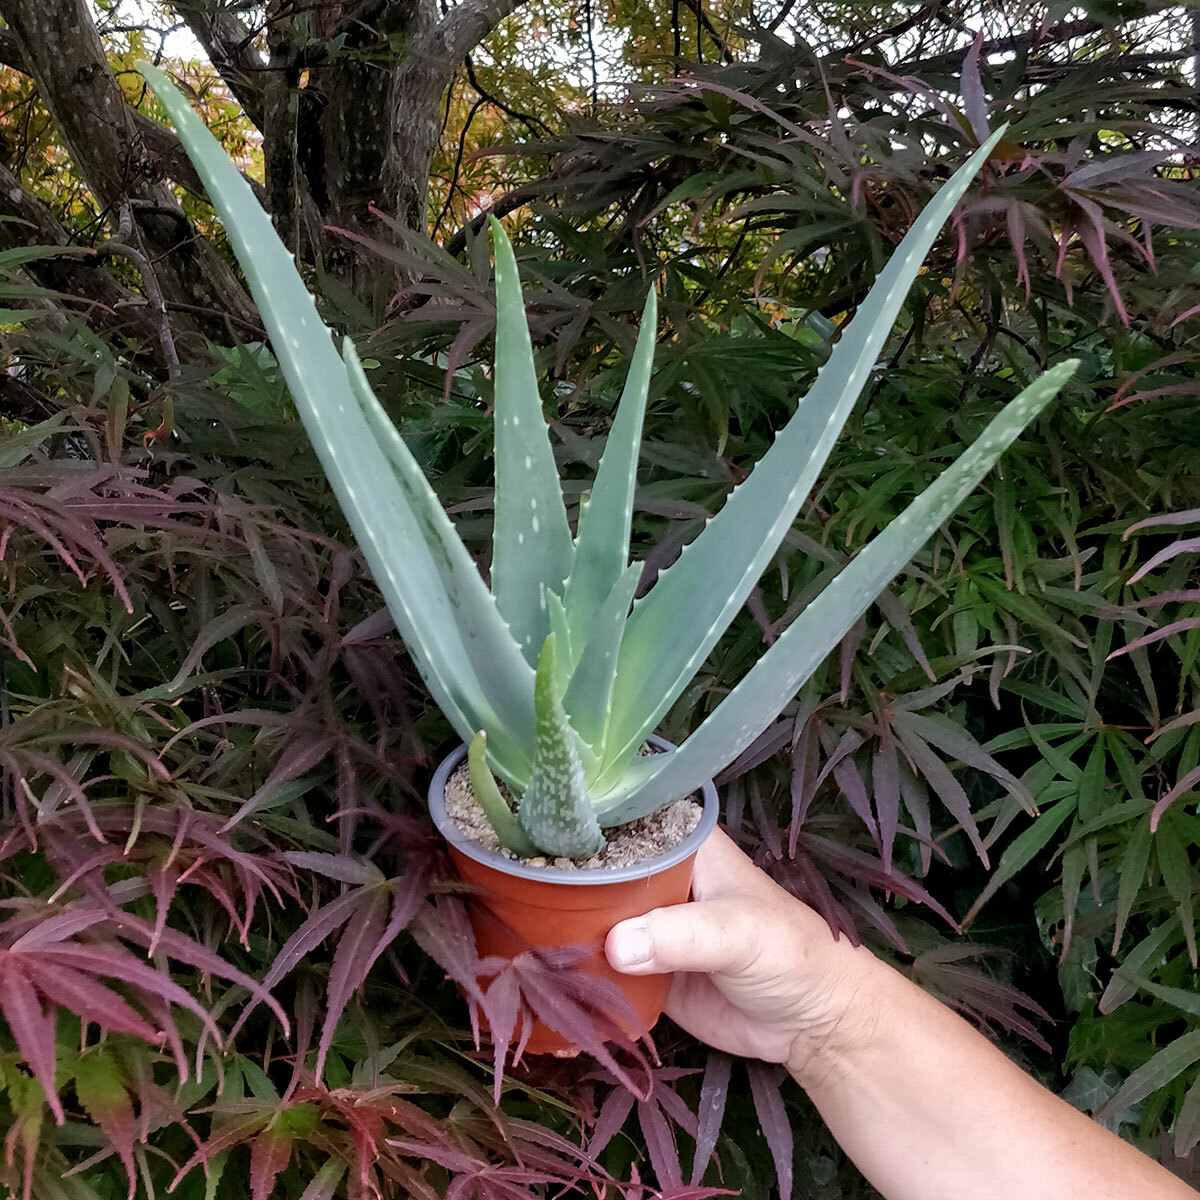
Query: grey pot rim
x=519, y=869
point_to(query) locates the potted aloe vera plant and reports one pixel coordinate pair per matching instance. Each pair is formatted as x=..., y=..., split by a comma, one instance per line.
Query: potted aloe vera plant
x=553, y=676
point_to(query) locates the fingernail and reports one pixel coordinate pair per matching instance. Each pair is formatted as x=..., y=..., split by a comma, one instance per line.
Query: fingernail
x=629, y=944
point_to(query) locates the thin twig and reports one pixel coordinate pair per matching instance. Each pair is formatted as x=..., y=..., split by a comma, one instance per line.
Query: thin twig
x=591, y=43
x=781, y=15
x=462, y=141
x=495, y=101
x=120, y=245
x=205, y=310
x=703, y=22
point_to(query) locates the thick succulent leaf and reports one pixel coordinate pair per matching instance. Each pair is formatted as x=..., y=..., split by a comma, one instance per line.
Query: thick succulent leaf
x=588, y=699
x=564, y=651
x=389, y=533
x=488, y=796
x=564, y=666
x=532, y=548
x=673, y=628
x=602, y=546
x=554, y=811
x=784, y=668
x=505, y=677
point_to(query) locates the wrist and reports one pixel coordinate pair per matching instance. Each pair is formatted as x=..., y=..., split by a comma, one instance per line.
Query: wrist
x=828, y=1052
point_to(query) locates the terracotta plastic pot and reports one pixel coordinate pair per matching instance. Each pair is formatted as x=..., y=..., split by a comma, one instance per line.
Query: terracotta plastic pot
x=514, y=907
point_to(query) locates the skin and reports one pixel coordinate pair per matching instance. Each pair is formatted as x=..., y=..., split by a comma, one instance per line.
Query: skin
x=926, y=1106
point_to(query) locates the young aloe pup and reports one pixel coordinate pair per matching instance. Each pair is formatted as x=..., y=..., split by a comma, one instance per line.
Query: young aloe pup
x=554, y=676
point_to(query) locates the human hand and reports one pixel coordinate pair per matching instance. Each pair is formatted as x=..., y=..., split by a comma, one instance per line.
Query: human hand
x=921, y=1102
x=758, y=973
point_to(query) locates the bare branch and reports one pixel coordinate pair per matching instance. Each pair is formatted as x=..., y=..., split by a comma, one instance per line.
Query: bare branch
x=781, y=15
x=21, y=401
x=72, y=276
x=230, y=48
x=460, y=31
x=556, y=181
x=951, y=60
x=120, y=244
x=528, y=119
x=501, y=207
x=703, y=21
x=462, y=143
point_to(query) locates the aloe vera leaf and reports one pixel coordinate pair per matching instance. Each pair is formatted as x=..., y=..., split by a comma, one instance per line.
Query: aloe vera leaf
x=800, y=649
x=388, y=532
x=504, y=674
x=564, y=664
x=602, y=544
x=532, y=548
x=564, y=659
x=555, y=811
x=672, y=629
x=500, y=817
x=588, y=698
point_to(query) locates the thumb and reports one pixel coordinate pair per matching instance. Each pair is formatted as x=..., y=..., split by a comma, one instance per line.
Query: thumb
x=707, y=936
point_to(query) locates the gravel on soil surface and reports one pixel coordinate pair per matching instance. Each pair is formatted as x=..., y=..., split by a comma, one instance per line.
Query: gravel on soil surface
x=626, y=845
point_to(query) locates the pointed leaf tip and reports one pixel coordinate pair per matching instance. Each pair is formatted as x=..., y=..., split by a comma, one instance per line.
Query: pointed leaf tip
x=774, y=679
x=489, y=798
x=674, y=627
x=532, y=547
x=602, y=545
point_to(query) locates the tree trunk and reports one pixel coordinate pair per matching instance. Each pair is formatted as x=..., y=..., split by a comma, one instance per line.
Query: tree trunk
x=231, y=50
x=280, y=126
x=437, y=50
x=350, y=146
x=62, y=50
x=330, y=128
x=418, y=93
x=161, y=144
x=369, y=117
x=349, y=104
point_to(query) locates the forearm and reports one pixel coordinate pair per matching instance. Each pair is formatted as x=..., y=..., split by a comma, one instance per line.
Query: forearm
x=928, y=1109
